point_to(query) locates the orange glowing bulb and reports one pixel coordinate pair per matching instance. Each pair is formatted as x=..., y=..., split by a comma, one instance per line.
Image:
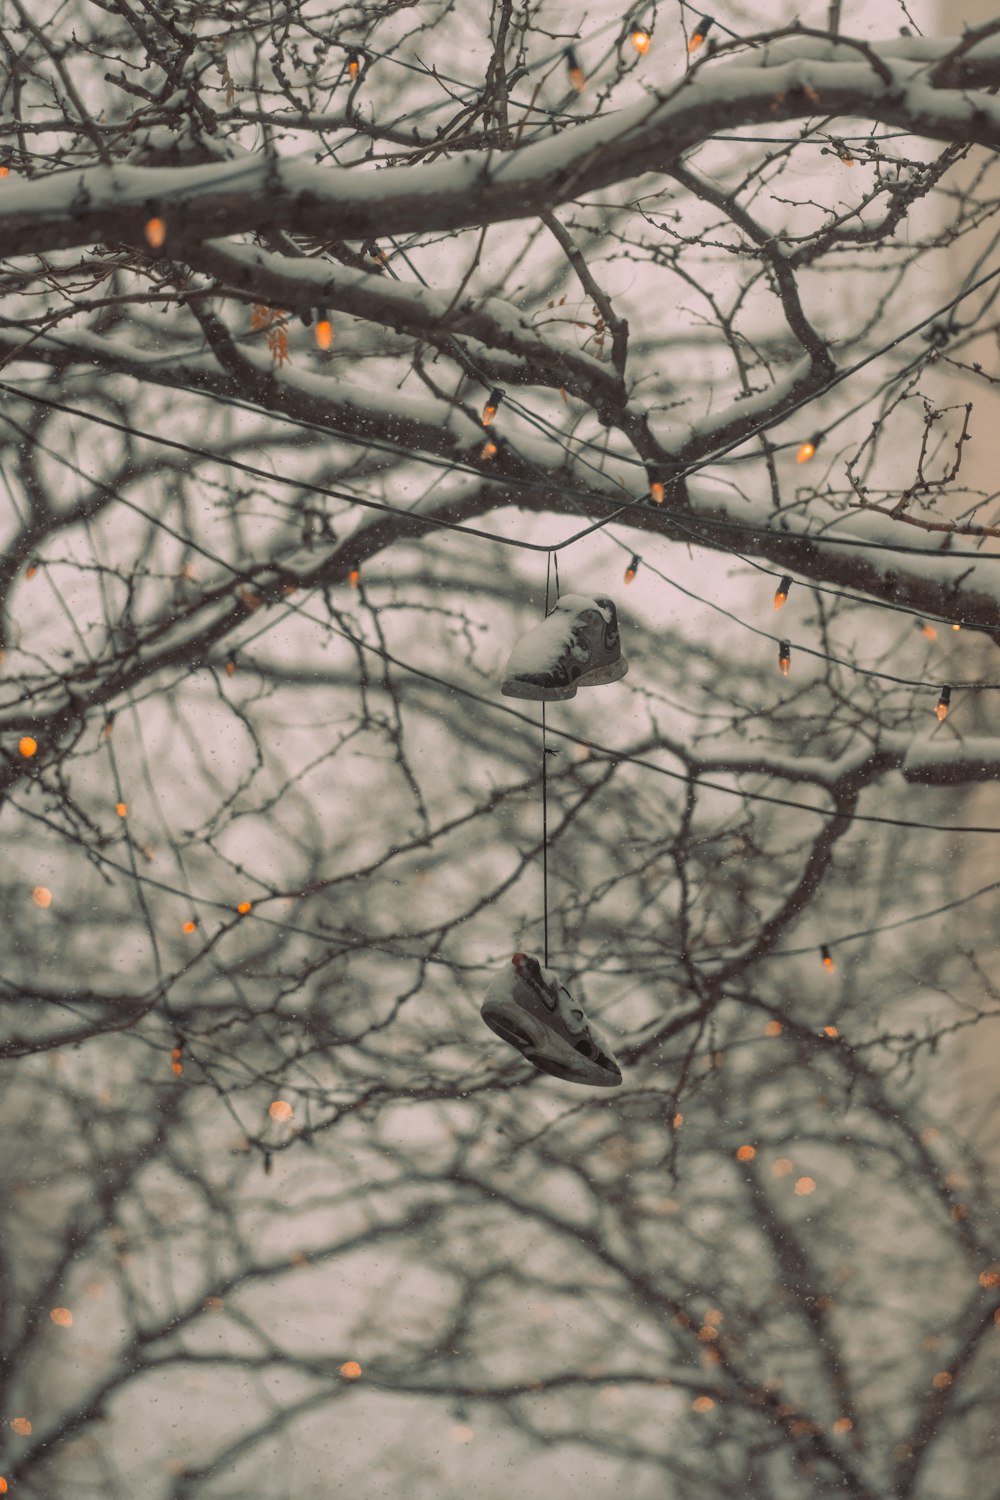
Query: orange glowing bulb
x=243, y=908
x=781, y=592
x=27, y=746
x=492, y=406
x=4, y=172
x=350, y=1369
x=830, y=1031
x=827, y=958
x=156, y=233
x=746, y=1153
x=3, y=1482
x=657, y=492
x=31, y=570
x=190, y=926
x=324, y=334
x=927, y=630
x=804, y=1186
x=61, y=1317
x=785, y=657
x=956, y=627
x=805, y=453
x=230, y=667
x=21, y=1426
x=354, y=578
x=632, y=568
x=121, y=809
x=281, y=1110
x=943, y=704
x=353, y=66
x=42, y=896
x=700, y=33
x=641, y=40
x=487, y=450
x=576, y=75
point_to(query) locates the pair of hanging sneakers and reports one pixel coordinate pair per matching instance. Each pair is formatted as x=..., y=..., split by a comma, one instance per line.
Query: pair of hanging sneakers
x=577, y=645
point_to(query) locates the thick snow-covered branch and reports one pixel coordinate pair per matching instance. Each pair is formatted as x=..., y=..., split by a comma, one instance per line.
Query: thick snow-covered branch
x=789, y=79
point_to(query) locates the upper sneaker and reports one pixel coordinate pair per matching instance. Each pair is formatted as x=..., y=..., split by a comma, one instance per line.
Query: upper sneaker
x=575, y=646
x=529, y=1007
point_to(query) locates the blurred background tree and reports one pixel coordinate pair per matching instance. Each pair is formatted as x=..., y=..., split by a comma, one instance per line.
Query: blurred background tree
x=335, y=341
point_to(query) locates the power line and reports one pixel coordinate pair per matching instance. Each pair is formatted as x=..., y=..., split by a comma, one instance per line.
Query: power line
x=499, y=480
x=249, y=577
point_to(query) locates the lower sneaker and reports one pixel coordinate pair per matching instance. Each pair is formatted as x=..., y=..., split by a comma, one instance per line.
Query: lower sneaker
x=528, y=1007
x=577, y=645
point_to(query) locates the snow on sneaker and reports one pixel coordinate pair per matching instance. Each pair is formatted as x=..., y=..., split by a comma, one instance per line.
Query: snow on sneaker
x=575, y=646
x=531, y=1009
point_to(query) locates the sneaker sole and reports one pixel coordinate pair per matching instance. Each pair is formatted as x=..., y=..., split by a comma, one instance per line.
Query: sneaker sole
x=513, y=687
x=545, y=1050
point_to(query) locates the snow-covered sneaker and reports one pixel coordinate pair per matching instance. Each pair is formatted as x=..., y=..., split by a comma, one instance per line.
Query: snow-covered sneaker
x=575, y=646
x=528, y=1007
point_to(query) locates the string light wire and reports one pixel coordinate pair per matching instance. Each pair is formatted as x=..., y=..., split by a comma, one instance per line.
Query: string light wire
x=914, y=682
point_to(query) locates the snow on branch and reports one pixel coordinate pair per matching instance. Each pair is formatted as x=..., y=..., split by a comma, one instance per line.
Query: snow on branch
x=787, y=80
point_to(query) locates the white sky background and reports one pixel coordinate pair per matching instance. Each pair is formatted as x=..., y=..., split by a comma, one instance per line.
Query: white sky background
x=415, y=1436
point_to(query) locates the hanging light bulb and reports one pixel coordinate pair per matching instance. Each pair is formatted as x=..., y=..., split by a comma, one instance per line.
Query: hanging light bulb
x=641, y=40
x=700, y=33
x=956, y=627
x=827, y=958
x=926, y=629
x=781, y=592
x=807, y=449
x=354, y=576
x=576, y=75
x=632, y=568
x=492, y=406
x=487, y=450
x=657, y=489
x=155, y=230
x=943, y=703
x=353, y=66
x=324, y=329
x=785, y=657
